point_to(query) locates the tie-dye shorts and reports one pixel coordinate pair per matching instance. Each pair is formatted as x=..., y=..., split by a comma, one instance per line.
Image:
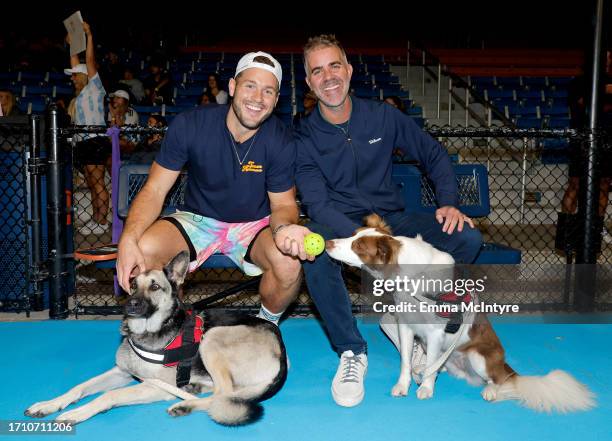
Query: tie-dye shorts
x=206, y=236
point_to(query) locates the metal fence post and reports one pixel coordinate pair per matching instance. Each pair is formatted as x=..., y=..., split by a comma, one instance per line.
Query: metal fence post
x=439, y=89
x=586, y=252
x=408, y=65
x=58, y=297
x=423, y=73
x=35, y=169
x=450, y=99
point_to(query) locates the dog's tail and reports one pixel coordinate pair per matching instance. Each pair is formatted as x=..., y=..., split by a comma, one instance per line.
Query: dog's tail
x=557, y=391
x=232, y=411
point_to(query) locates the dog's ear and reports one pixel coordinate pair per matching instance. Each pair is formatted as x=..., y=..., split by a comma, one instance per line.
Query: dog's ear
x=176, y=270
x=387, y=249
x=375, y=221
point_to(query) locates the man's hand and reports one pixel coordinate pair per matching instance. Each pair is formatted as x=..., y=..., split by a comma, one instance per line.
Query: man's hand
x=290, y=240
x=452, y=218
x=86, y=28
x=129, y=260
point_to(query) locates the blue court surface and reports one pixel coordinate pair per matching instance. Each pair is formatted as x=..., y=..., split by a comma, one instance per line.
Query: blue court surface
x=43, y=359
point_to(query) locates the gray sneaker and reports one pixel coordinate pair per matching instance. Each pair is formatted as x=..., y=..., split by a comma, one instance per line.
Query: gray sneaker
x=347, y=387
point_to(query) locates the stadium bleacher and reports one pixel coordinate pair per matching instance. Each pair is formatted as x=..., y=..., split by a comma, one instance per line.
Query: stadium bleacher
x=372, y=79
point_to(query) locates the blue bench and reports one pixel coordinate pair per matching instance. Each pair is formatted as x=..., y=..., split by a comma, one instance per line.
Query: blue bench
x=472, y=184
x=473, y=187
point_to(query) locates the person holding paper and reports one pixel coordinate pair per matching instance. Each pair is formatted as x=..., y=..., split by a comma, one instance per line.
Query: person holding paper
x=92, y=151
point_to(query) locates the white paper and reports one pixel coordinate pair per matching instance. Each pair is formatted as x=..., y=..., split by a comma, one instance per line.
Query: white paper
x=74, y=26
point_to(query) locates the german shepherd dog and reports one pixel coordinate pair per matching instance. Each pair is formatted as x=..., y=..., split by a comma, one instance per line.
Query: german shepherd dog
x=240, y=358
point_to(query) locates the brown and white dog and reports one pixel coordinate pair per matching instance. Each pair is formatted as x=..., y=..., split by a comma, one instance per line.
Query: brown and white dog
x=478, y=356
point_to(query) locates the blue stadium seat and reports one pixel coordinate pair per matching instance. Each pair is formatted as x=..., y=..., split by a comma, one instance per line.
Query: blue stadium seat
x=34, y=78
x=518, y=110
x=529, y=123
x=366, y=92
x=559, y=93
x=414, y=111
x=62, y=90
x=554, y=110
x=558, y=123
x=185, y=101
x=509, y=82
x=483, y=82
x=530, y=93
x=39, y=90
x=473, y=189
x=559, y=82
x=493, y=94
x=147, y=109
x=535, y=82
x=192, y=91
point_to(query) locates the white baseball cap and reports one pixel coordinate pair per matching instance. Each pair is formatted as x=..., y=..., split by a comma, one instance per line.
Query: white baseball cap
x=121, y=94
x=248, y=61
x=79, y=68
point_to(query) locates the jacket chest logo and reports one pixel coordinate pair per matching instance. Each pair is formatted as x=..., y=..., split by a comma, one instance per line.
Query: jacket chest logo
x=375, y=140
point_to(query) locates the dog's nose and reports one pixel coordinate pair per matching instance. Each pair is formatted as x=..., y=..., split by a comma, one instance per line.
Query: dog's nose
x=135, y=306
x=329, y=245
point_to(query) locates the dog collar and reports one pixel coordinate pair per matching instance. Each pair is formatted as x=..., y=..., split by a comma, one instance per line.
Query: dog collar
x=181, y=350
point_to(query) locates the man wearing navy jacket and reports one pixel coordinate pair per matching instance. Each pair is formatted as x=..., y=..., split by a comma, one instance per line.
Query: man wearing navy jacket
x=343, y=173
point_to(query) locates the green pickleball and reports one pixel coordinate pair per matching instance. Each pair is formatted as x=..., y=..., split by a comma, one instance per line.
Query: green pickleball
x=314, y=244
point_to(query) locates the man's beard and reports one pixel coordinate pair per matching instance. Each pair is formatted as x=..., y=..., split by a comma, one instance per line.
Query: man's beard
x=238, y=112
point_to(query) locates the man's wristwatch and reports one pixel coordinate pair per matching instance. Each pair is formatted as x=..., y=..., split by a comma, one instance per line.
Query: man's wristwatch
x=278, y=228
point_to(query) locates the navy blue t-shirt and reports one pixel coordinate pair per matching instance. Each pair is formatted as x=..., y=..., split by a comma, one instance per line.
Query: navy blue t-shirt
x=218, y=186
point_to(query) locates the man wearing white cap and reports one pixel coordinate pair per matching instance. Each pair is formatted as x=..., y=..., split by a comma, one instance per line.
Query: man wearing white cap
x=91, y=151
x=240, y=193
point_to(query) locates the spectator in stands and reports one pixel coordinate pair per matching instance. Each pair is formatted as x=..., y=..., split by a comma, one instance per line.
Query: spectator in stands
x=91, y=151
x=8, y=103
x=111, y=70
x=147, y=150
x=343, y=172
x=121, y=114
x=158, y=85
x=309, y=101
x=214, y=88
x=206, y=98
x=568, y=221
x=239, y=196
x=135, y=85
x=396, y=102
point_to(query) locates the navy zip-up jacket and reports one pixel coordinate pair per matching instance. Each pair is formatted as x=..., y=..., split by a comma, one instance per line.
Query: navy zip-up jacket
x=340, y=174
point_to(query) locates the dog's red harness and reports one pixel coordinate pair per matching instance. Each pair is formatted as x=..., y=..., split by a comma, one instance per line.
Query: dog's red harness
x=454, y=318
x=175, y=351
x=180, y=352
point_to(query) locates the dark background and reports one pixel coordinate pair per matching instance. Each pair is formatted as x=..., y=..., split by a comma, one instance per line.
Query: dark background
x=518, y=23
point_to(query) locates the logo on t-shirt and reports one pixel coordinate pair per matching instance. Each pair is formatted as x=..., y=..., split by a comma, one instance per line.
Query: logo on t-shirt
x=252, y=167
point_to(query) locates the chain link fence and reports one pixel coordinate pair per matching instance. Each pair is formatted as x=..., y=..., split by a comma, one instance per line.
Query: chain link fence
x=527, y=174
x=14, y=236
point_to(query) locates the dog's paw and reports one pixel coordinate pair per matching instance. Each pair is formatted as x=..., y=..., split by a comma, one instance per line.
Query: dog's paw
x=400, y=390
x=42, y=409
x=489, y=393
x=74, y=416
x=179, y=409
x=424, y=393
